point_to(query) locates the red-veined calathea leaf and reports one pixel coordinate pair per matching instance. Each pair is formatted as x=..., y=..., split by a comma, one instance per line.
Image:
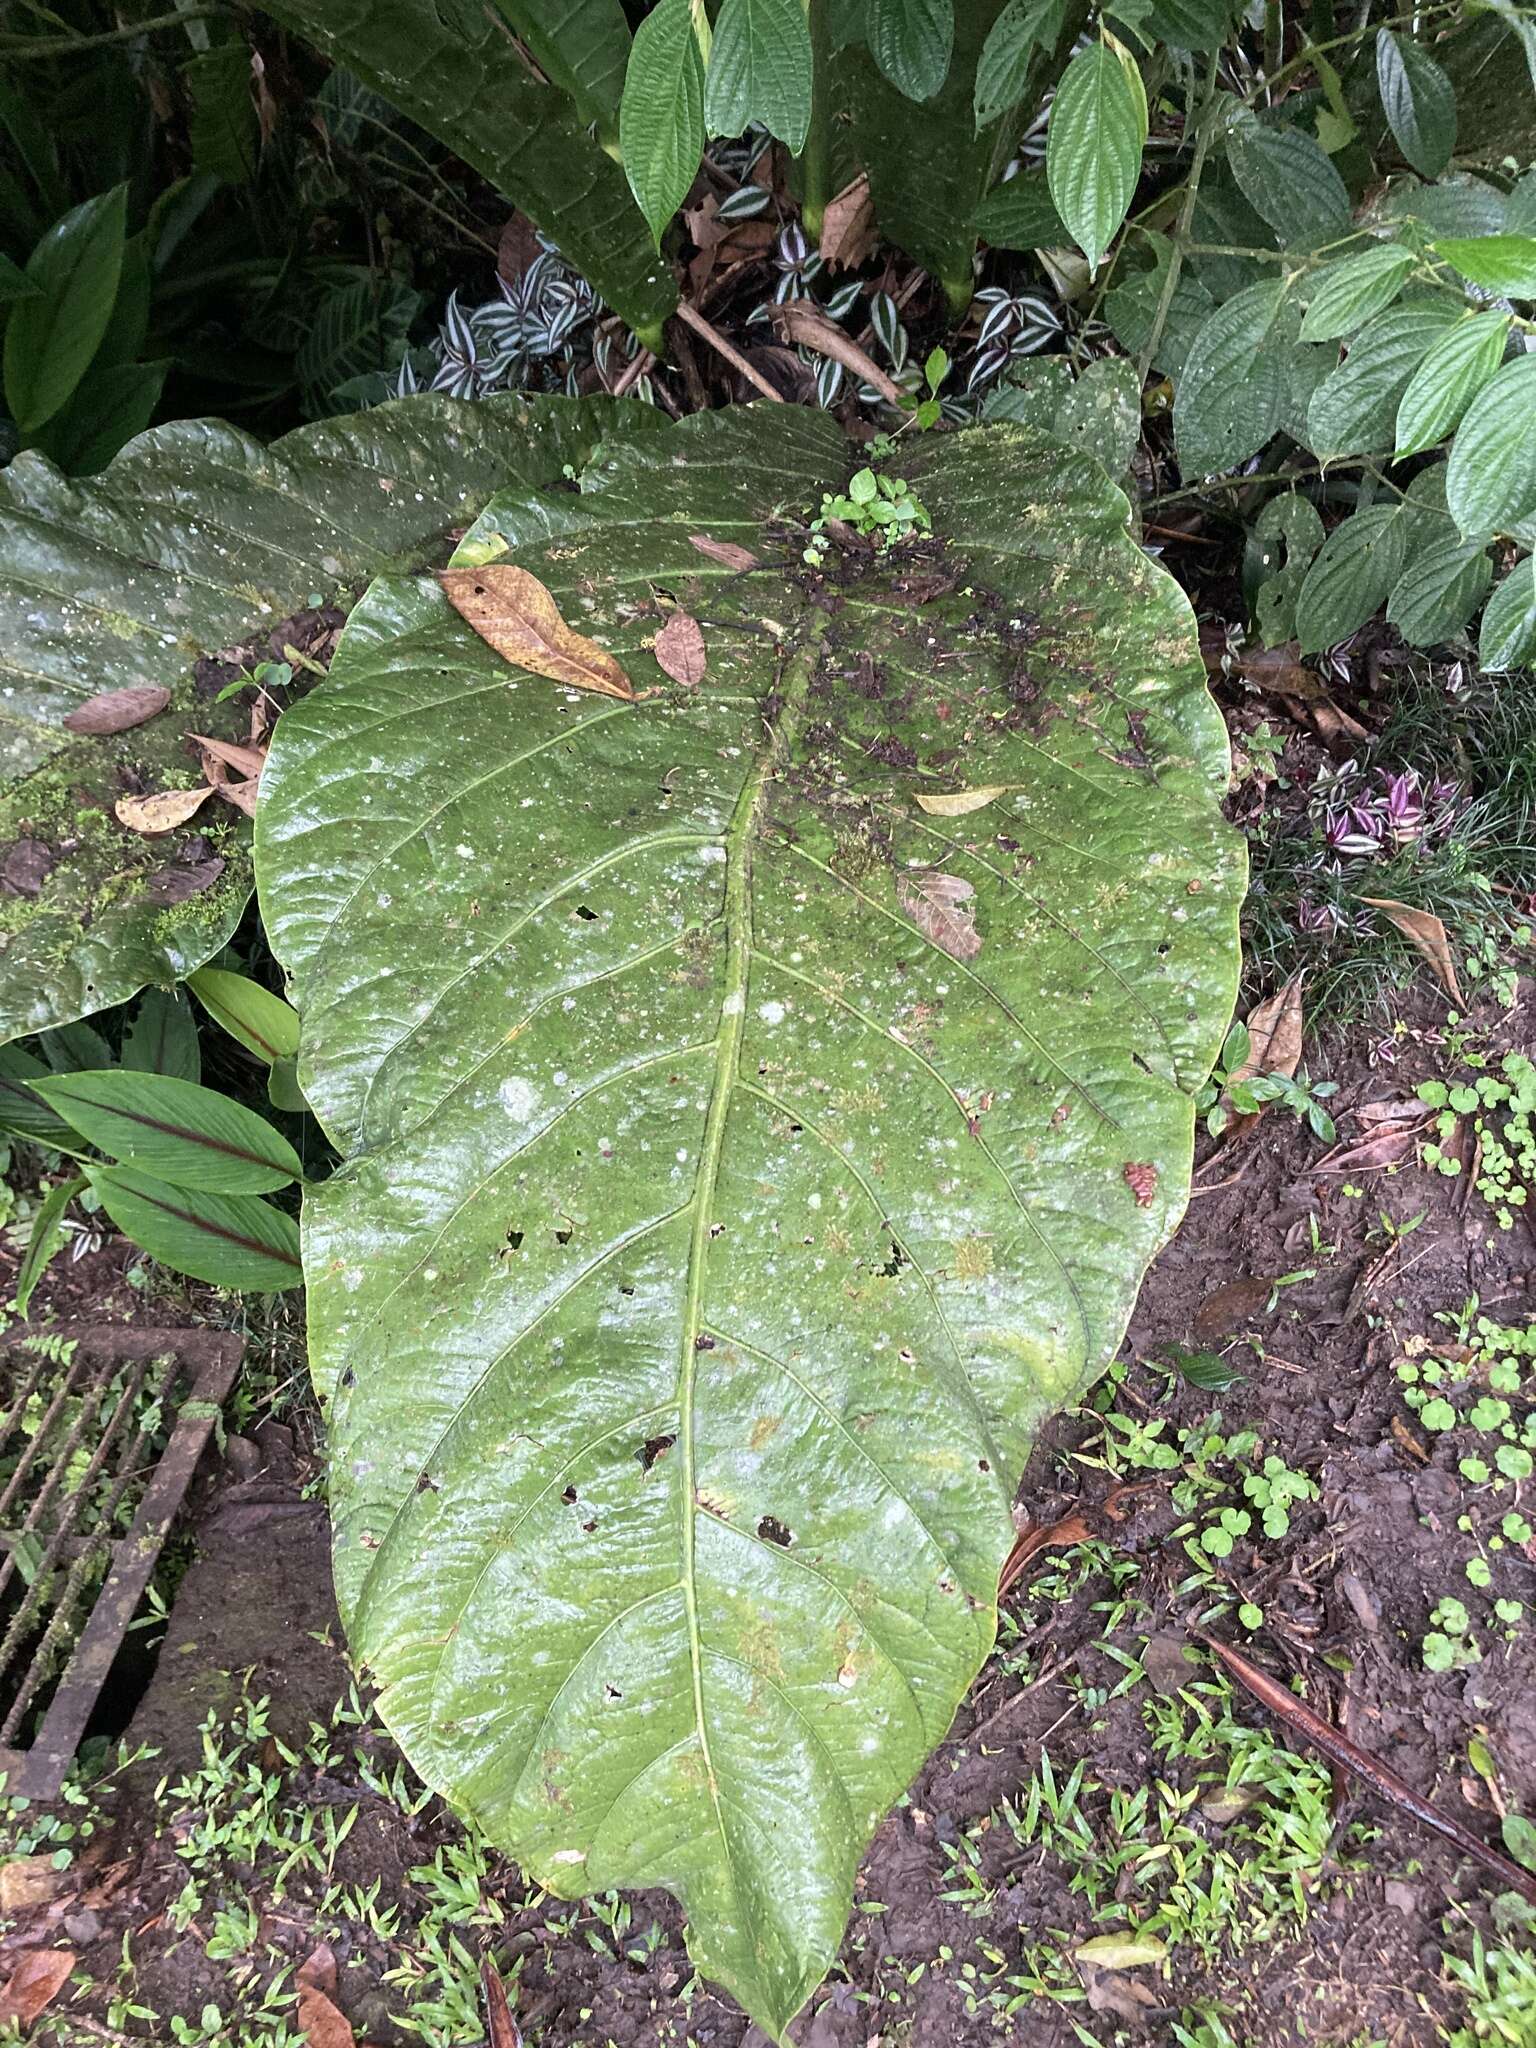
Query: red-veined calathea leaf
x=712, y=1239
x=195, y=539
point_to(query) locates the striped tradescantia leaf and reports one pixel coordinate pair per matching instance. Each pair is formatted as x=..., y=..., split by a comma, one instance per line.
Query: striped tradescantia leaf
x=744, y=1157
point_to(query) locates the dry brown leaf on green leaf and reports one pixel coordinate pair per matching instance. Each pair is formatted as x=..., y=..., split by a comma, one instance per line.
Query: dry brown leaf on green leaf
x=1424, y=931
x=848, y=227
x=956, y=803
x=513, y=612
x=726, y=552
x=36, y=1981
x=118, y=710
x=680, y=649
x=941, y=908
x=153, y=816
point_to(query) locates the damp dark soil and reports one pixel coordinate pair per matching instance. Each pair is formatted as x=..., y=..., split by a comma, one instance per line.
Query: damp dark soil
x=1346, y=1596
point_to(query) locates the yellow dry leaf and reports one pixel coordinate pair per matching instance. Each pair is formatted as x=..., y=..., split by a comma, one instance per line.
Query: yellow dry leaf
x=956, y=803
x=154, y=816
x=513, y=612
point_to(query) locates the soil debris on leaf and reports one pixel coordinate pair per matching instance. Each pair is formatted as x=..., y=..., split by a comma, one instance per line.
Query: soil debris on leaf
x=513, y=612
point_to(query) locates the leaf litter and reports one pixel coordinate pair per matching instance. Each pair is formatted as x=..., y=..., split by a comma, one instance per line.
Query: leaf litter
x=941, y=906
x=512, y=611
x=680, y=649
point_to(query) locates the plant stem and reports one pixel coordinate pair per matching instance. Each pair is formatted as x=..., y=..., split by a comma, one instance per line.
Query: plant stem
x=815, y=158
x=25, y=48
x=1204, y=129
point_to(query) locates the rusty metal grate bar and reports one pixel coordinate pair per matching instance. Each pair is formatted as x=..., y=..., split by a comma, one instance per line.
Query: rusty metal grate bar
x=68, y=1476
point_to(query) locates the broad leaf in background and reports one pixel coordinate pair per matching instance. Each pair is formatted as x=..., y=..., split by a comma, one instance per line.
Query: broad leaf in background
x=1461, y=362
x=760, y=70
x=52, y=334
x=1287, y=179
x=235, y=1241
x=112, y=585
x=191, y=1135
x=1354, y=410
x=1438, y=592
x=1021, y=215
x=223, y=129
x=454, y=68
x=695, y=1287
x=23, y=1112
x=1097, y=130
x=1345, y=294
x=582, y=47
x=1490, y=480
x=1024, y=28
x=661, y=116
x=1505, y=264
x=1231, y=394
x=1351, y=579
x=262, y=1022
x=1508, y=637
x=47, y=1237
x=912, y=42
x=1418, y=101
x=162, y=1036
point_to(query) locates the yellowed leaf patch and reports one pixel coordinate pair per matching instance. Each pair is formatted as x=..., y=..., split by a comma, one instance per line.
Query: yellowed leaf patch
x=955, y=803
x=513, y=612
x=154, y=816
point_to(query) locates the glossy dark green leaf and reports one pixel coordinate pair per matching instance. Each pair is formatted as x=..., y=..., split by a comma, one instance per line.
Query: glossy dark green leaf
x=1190, y=24
x=1287, y=179
x=453, y=68
x=51, y=338
x=235, y=1241
x=760, y=70
x=1344, y=295
x=1024, y=28
x=103, y=413
x=185, y=1133
x=694, y=1288
x=1505, y=264
x=1418, y=101
x=1491, y=477
x=47, y=1237
x=1021, y=215
x=661, y=116
x=1438, y=592
x=1461, y=362
x=1354, y=574
x=1133, y=305
x=912, y=42
x=223, y=129
x=15, y=283
x=262, y=1022
x=23, y=1112
x=1094, y=143
x=1354, y=411
x=195, y=536
x=582, y=46
x=161, y=1038
x=1230, y=397
x=1508, y=636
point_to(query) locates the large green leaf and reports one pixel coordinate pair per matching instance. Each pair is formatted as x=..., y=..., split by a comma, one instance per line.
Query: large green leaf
x=1419, y=102
x=661, y=116
x=1231, y=390
x=744, y=1160
x=52, y=335
x=760, y=70
x=1287, y=179
x=1461, y=362
x=912, y=41
x=1094, y=143
x=192, y=539
x=1491, y=476
x=1354, y=410
x=455, y=68
x=580, y=45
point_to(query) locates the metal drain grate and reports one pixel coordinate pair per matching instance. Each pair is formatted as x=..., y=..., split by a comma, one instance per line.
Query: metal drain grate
x=100, y=1433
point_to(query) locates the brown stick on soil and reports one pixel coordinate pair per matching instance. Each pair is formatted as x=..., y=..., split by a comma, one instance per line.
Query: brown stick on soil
x=1311, y=1727
x=692, y=317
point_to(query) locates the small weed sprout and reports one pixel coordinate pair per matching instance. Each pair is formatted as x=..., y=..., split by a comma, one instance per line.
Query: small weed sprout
x=878, y=508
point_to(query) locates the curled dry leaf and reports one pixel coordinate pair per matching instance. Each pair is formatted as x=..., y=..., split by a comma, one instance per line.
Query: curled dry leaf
x=799, y=322
x=940, y=906
x=513, y=612
x=848, y=227
x=1423, y=930
x=956, y=803
x=38, y=1978
x=118, y=710
x=1274, y=1035
x=244, y=760
x=153, y=816
x=725, y=552
x=680, y=649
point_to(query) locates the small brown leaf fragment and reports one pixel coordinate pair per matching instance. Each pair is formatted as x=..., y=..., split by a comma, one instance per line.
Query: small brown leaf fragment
x=118, y=710
x=321, y=2022
x=1228, y=1307
x=153, y=816
x=513, y=612
x=26, y=867
x=725, y=552
x=956, y=803
x=1424, y=931
x=848, y=227
x=680, y=649
x=941, y=907
x=1141, y=1178
x=319, y=1969
x=176, y=883
x=244, y=760
x=38, y=1978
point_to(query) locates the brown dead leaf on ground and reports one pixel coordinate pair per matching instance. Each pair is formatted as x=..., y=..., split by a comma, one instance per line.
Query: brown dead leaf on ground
x=505, y=2032
x=799, y=322
x=1274, y=1035
x=680, y=649
x=513, y=613
x=244, y=760
x=118, y=710
x=153, y=816
x=319, y=1969
x=321, y=2022
x=848, y=227
x=1424, y=931
x=38, y=1978
x=1227, y=1307
x=28, y=1881
x=725, y=552
x=942, y=909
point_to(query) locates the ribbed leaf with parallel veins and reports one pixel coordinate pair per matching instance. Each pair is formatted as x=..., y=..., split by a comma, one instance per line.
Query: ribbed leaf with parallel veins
x=193, y=538
x=714, y=1241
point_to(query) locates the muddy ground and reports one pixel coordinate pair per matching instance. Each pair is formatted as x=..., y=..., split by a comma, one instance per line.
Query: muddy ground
x=1346, y=1596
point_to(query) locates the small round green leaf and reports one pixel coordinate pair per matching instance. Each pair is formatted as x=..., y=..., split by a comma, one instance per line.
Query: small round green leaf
x=1346, y=294
x=235, y=1241
x=912, y=41
x=1491, y=478
x=176, y=1129
x=1449, y=378
x=661, y=116
x=51, y=337
x=760, y=70
x=1418, y=101
x=1093, y=146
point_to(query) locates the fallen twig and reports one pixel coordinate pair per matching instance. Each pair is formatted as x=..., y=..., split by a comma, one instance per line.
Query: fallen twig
x=504, y=2029
x=1301, y=1720
x=692, y=317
